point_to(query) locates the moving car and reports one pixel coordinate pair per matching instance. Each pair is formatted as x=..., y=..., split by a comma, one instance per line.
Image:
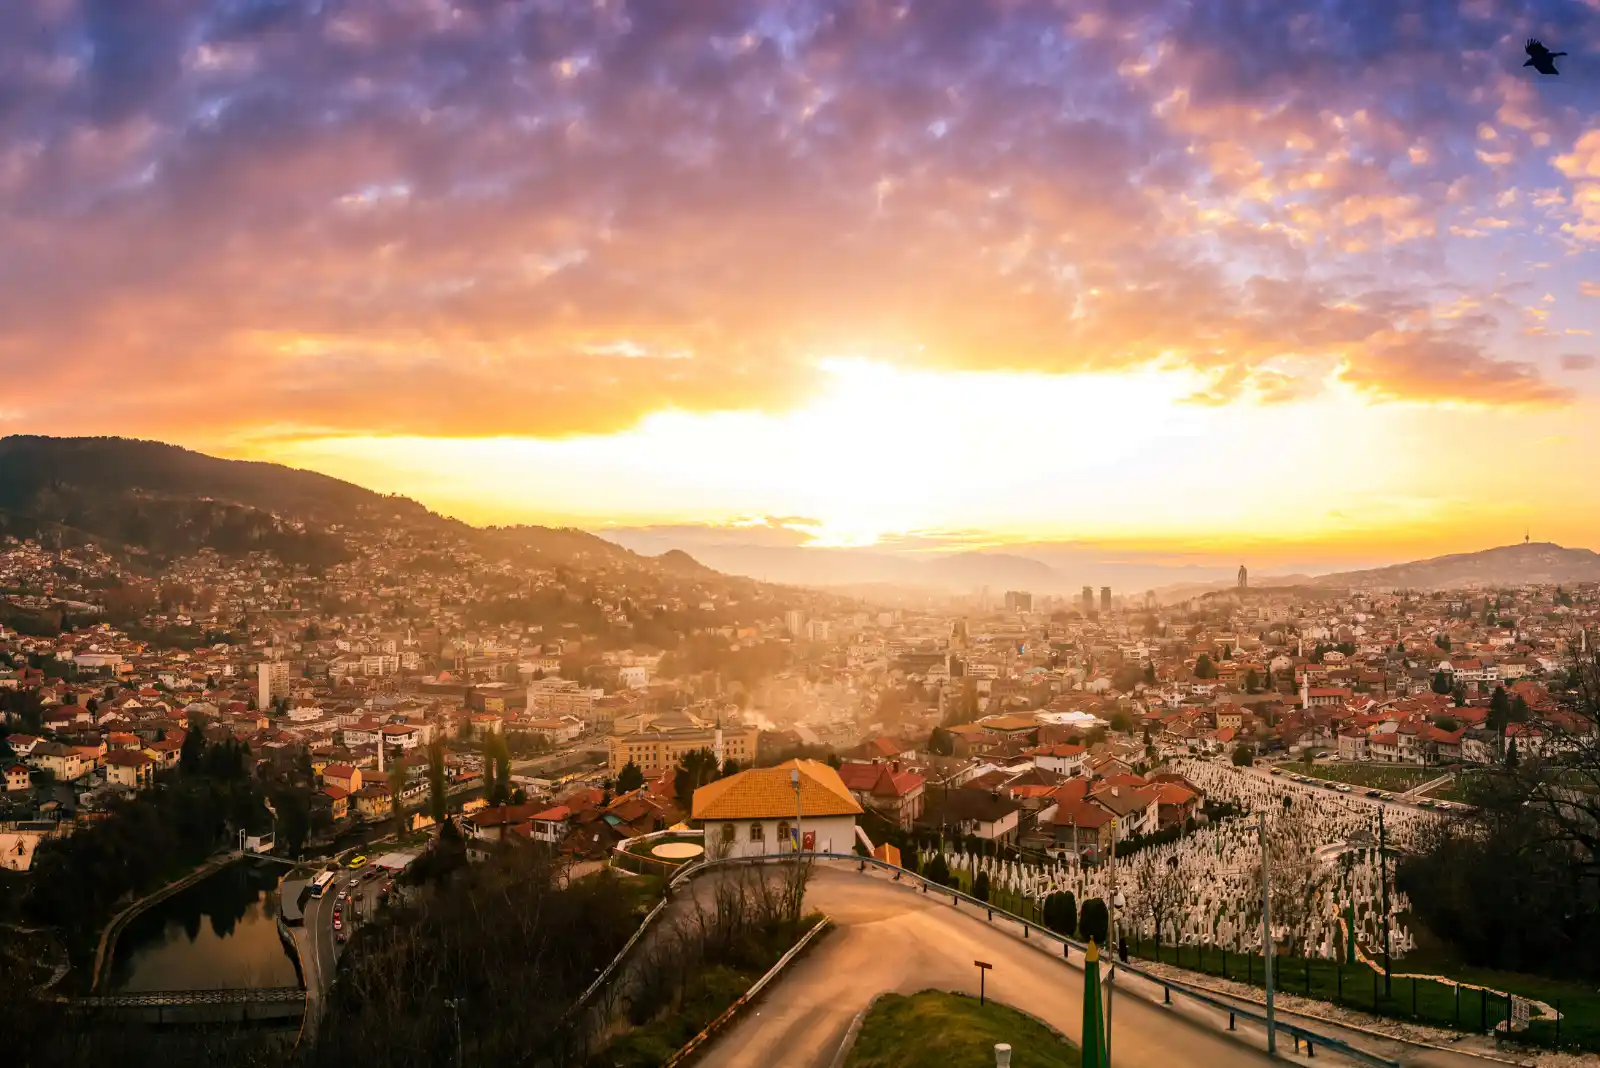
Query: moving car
x=357, y=862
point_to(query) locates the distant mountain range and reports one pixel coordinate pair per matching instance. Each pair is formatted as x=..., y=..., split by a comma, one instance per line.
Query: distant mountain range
x=1047, y=568
x=162, y=501
x=1505, y=565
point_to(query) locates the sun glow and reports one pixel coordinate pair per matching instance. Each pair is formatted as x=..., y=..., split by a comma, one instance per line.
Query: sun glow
x=882, y=450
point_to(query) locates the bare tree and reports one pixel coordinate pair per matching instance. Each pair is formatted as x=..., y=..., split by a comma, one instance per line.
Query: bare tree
x=1158, y=889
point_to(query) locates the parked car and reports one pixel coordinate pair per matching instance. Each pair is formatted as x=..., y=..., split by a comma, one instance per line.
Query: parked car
x=357, y=862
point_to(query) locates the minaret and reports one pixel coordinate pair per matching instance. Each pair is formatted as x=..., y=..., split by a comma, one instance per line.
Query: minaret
x=1305, y=691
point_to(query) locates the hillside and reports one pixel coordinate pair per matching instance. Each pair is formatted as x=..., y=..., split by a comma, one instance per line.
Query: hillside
x=1505, y=565
x=167, y=501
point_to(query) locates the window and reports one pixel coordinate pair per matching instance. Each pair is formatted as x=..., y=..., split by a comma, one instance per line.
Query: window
x=727, y=834
x=756, y=833
x=783, y=834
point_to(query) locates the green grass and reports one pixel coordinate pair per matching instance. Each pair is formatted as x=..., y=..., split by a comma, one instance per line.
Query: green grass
x=1395, y=778
x=934, y=1029
x=1357, y=986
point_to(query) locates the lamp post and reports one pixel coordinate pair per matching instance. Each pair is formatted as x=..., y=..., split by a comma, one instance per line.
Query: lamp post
x=1383, y=876
x=1266, y=930
x=799, y=812
x=455, y=1016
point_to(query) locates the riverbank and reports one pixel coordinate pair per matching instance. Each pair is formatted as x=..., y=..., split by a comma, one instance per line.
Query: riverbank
x=106, y=950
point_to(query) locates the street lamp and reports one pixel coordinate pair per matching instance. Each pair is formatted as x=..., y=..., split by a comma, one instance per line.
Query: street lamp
x=1266, y=929
x=799, y=813
x=455, y=1016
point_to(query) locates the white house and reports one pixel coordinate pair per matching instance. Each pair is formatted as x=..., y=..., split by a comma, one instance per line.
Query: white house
x=1352, y=744
x=62, y=761
x=1063, y=759
x=756, y=812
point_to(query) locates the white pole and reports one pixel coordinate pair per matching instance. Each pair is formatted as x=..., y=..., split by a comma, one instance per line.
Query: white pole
x=1266, y=931
x=799, y=813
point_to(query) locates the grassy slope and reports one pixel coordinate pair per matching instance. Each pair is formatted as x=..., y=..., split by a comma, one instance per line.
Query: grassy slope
x=934, y=1029
x=1393, y=777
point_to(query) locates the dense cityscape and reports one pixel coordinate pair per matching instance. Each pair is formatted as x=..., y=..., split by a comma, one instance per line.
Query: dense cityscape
x=799, y=533
x=428, y=698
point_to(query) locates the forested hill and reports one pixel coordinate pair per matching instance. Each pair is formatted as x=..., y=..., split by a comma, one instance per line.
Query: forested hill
x=168, y=501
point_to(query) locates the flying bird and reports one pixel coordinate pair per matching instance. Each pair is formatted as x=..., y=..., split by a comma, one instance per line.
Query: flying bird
x=1541, y=58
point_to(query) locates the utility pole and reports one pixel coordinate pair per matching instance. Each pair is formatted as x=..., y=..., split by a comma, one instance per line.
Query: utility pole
x=1266, y=930
x=794, y=780
x=1383, y=876
x=1114, y=943
x=455, y=1016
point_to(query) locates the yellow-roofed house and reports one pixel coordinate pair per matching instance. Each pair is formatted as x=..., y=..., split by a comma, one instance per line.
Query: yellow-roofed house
x=756, y=812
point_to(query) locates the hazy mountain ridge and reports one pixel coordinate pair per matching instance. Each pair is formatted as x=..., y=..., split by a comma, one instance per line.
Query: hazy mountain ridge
x=166, y=500
x=1504, y=565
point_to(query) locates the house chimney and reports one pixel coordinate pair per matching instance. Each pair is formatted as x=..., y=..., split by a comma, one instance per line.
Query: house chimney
x=1116, y=791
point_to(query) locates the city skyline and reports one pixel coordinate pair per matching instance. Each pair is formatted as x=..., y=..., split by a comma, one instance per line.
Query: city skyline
x=1297, y=285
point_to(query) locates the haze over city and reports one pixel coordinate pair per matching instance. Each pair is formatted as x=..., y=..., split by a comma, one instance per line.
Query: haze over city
x=1312, y=284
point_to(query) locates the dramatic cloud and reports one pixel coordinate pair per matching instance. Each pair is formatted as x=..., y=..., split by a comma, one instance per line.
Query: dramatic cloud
x=484, y=218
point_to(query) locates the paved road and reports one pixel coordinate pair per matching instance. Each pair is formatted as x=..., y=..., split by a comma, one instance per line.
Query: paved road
x=891, y=937
x=320, y=960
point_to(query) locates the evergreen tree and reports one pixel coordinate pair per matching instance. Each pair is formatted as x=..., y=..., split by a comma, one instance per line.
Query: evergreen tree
x=436, y=783
x=1499, y=711
x=980, y=886
x=1094, y=921
x=193, y=750
x=630, y=778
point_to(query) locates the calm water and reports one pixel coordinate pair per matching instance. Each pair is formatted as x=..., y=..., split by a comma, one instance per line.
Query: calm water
x=220, y=933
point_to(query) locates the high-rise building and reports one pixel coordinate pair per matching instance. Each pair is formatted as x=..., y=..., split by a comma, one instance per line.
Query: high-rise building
x=1019, y=601
x=1105, y=598
x=795, y=620
x=1244, y=579
x=1088, y=600
x=272, y=680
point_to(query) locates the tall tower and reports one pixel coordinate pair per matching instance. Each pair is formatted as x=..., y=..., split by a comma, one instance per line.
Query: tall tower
x=1244, y=579
x=1088, y=600
x=1105, y=599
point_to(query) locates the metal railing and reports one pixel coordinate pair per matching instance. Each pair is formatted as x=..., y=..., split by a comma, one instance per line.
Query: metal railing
x=1313, y=1039
x=253, y=996
x=727, y=1015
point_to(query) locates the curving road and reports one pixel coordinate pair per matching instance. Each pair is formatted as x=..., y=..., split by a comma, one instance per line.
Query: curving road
x=319, y=948
x=891, y=937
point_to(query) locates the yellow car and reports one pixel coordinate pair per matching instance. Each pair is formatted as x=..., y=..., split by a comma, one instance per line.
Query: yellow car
x=357, y=862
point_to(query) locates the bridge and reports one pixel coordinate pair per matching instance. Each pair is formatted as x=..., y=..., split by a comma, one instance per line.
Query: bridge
x=200, y=1006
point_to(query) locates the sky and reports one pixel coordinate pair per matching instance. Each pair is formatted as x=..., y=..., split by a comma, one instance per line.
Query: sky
x=1315, y=279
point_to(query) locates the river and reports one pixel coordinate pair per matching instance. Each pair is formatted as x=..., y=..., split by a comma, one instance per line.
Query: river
x=218, y=934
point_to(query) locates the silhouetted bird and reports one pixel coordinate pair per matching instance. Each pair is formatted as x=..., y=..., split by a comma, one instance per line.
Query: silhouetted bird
x=1541, y=58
